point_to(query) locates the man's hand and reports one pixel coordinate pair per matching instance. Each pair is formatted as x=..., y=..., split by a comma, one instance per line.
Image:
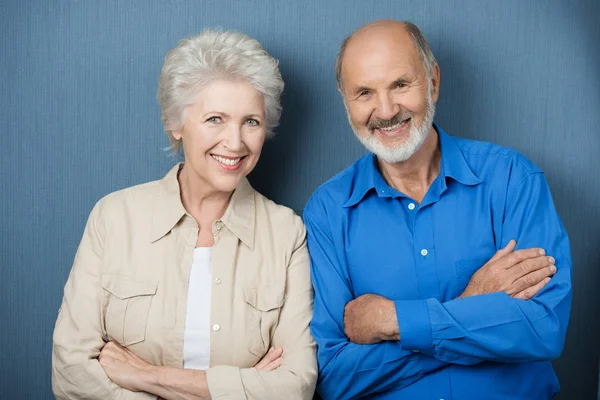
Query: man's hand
x=521, y=274
x=124, y=367
x=272, y=360
x=371, y=319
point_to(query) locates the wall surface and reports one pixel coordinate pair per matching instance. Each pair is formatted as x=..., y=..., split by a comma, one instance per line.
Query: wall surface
x=79, y=119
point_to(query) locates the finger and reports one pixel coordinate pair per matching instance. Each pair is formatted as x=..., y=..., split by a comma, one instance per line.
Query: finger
x=114, y=343
x=265, y=360
x=514, y=258
x=271, y=355
x=528, y=266
x=273, y=365
x=531, y=279
x=277, y=352
x=531, y=291
x=505, y=250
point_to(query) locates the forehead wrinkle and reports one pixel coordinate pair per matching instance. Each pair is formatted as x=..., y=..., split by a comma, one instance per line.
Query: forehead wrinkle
x=380, y=44
x=384, y=79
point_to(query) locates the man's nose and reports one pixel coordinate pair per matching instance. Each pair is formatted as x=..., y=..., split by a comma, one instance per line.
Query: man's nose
x=386, y=107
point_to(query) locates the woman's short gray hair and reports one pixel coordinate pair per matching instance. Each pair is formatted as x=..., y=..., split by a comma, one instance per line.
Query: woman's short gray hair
x=212, y=55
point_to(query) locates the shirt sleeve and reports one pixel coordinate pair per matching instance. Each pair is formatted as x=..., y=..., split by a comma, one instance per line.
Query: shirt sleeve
x=78, y=338
x=495, y=326
x=296, y=377
x=348, y=370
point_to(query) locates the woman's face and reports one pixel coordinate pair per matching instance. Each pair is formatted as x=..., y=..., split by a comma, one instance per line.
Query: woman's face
x=223, y=134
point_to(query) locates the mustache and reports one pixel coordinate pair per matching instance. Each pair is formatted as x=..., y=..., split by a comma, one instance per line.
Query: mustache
x=376, y=123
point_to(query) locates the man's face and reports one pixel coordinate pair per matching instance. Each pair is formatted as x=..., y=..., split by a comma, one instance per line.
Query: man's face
x=389, y=98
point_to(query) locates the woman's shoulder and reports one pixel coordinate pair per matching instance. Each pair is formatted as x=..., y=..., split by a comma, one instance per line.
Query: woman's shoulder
x=137, y=198
x=278, y=216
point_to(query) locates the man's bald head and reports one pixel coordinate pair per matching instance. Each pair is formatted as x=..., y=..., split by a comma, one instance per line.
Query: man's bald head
x=382, y=29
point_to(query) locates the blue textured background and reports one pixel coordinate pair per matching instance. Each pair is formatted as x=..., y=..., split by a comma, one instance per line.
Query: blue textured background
x=79, y=119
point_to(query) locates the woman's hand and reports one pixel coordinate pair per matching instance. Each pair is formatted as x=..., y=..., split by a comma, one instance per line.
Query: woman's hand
x=132, y=373
x=271, y=361
x=123, y=367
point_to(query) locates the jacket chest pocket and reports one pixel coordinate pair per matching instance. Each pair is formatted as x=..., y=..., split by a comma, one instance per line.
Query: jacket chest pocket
x=263, y=305
x=126, y=315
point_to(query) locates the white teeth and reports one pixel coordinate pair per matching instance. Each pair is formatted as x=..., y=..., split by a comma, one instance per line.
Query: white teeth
x=227, y=161
x=393, y=127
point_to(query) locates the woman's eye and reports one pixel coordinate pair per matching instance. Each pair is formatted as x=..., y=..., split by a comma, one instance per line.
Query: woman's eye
x=253, y=122
x=214, y=120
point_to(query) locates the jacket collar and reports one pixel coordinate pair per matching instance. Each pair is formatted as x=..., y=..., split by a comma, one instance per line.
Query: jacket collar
x=168, y=210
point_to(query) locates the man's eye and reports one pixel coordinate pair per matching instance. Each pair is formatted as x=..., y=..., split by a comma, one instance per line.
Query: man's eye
x=400, y=85
x=214, y=120
x=253, y=122
x=364, y=93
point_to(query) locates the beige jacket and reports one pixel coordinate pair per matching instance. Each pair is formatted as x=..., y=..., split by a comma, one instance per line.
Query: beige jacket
x=129, y=283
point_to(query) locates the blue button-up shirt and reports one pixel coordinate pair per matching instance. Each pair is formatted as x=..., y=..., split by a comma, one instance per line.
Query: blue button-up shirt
x=366, y=237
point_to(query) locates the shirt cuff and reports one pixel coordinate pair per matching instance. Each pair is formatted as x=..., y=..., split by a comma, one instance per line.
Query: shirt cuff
x=225, y=382
x=414, y=325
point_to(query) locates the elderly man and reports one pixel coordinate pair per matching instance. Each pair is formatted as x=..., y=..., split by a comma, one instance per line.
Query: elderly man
x=440, y=266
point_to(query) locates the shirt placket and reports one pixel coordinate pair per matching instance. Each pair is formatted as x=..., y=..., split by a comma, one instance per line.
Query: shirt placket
x=424, y=250
x=188, y=236
x=427, y=277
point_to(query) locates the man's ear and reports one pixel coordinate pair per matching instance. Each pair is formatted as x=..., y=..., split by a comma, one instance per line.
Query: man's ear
x=435, y=82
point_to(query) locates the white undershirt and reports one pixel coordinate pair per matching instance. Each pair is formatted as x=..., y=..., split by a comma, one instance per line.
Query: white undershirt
x=196, y=337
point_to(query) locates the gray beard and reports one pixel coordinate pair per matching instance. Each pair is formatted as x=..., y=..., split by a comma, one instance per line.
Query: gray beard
x=403, y=151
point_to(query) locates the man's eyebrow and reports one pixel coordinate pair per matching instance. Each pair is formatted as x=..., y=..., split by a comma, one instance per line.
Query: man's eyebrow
x=402, y=80
x=360, y=89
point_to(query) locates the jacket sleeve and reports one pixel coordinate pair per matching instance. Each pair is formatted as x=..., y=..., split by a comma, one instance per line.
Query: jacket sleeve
x=296, y=377
x=495, y=326
x=78, y=334
x=348, y=370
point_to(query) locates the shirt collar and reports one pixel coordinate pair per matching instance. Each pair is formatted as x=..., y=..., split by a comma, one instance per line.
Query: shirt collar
x=168, y=210
x=453, y=165
x=366, y=175
x=453, y=162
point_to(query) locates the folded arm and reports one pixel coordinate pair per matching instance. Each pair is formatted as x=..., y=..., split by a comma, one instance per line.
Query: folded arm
x=349, y=370
x=297, y=375
x=291, y=375
x=496, y=326
x=78, y=334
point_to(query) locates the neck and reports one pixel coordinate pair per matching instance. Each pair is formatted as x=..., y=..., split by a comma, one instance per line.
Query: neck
x=414, y=176
x=203, y=203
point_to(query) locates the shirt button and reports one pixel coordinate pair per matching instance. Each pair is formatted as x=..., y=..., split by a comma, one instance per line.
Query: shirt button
x=411, y=206
x=424, y=252
x=216, y=327
x=218, y=281
x=415, y=351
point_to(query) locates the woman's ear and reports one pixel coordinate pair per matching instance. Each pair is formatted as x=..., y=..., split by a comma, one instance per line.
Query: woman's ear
x=176, y=134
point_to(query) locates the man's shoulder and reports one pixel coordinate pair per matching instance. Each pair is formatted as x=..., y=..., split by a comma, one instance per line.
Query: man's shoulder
x=336, y=191
x=479, y=154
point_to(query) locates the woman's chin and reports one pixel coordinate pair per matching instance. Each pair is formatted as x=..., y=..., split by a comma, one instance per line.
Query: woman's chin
x=226, y=183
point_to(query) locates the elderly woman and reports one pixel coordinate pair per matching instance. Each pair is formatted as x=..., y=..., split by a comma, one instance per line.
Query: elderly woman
x=194, y=286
